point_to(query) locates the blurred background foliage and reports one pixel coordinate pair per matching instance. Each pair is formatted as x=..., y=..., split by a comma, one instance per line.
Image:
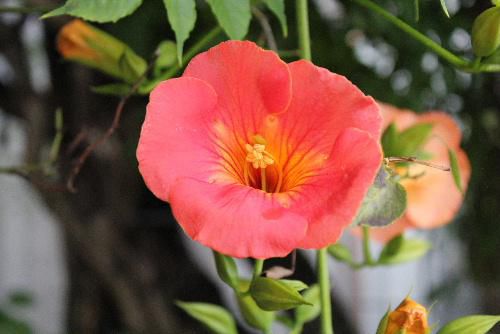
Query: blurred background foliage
x=125, y=256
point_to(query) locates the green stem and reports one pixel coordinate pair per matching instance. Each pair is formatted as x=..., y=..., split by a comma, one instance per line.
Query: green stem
x=303, y=29
x=193, y=51
x=449, y=56
x=367, y=254
x=324, y=288
x=257, y=269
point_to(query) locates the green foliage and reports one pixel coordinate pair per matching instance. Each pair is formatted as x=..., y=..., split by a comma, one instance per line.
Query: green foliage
x=295, y=284
x=382, y=325
x=10, y=325
x=486, y=32
x=407, y=142
x=96, y=10
x=227, y=270
x=217, y=319
x=130, y=66
x=340, y=252
x=384, y=202
x=233, y=16
x=455, y=169
x=278, y=9
x=400, y=250
x=182, y=17
x=21, y=299
x=253, y=314
x=306, y=313
x=166, y=52
x=473, y=324
x=445, y=9
x=117, y=88
x=275, y=295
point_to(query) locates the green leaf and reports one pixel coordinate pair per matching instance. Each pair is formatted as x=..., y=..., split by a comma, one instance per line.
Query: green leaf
x=455, y=169
x=227, y=270
x=495, y=2
x=96, y=10
x=340, y=252
x=233, y=16
x=382, y=325
x=118, y=88
x=384, y=202
x=486, y=32
x=278, y=9
x=473, y=324
x=274, y=295
x=411, y=140
x=306, y=313
x=400, y=250
x=131, y=66
x=295, y=284
x=166, y=52
x=445, y=10
x=253, y=314
x=182, y=17
x=217, y=319
x=388, y=141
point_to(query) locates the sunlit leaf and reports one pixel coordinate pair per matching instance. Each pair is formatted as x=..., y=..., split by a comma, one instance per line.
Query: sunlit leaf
x=476, y=324
x=278, y=9
x=274, y=295
x=400, y=250
x=384, y=202
x=233, y=16
x=182, y=18
x=96, y=10
x=217, y=319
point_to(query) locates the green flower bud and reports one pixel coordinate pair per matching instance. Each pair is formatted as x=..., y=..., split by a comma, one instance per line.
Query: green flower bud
x=486, y=32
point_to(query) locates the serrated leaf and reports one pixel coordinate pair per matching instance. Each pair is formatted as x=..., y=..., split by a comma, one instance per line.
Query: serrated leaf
x=384, y=202
x=274, y=295
x=278, y=9
x=254, y=315
x=473, y=324
x=400, y=250
x=340, y=252
x=227, y=269
x=306, y=313
x=217, y=319
x=96, y=10
x=182, y=18
x=295, y=284
x=118, y=89
x=445, y=10
x=233, y=16
x=455, y=169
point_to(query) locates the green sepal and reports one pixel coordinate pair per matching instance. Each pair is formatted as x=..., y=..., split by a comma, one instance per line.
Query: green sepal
x=253, y=314
x=384, y=202
x=216, y=318
x=96, y=10
x=399, y=250
x=382, y=325
x=131, y=66
x=306, y=313
x=340, y=252
x=275, y=295
x=477, y=324
x=227, y=270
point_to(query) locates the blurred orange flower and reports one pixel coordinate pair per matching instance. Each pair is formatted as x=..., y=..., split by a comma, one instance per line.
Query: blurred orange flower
x=432, y=196
x=409, y=318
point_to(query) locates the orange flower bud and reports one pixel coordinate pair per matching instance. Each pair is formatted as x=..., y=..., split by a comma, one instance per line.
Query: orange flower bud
x=85, y=44
x=408, y=318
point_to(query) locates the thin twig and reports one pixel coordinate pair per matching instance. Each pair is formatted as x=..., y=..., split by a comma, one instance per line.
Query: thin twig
x=266, y=28
x=109, y=132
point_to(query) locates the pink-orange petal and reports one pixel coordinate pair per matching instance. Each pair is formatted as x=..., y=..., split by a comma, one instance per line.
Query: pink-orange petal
x=236, y=220
x=250, y=82
x=174, y=137
x=341, y=187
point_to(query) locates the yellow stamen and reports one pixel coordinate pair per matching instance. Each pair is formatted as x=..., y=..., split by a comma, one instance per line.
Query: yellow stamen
x=258, y=156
